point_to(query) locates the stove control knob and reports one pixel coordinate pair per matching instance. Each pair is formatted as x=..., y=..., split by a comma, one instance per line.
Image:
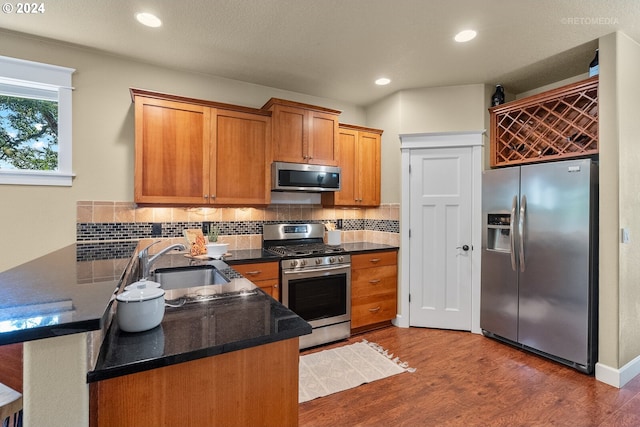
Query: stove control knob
x=293, y=263
x=318, y=260
x=303, y=262
x=332, y=259
x=340, y=258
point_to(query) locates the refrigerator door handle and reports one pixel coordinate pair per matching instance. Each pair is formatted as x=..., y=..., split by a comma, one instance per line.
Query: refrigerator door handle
x=523, y=212
x=514, y=206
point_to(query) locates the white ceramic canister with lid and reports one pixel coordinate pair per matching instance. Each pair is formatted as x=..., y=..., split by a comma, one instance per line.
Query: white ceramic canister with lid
x=140, y=307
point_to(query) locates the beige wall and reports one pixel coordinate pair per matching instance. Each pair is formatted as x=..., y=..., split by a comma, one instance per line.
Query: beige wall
x=425, y=110
x=443, y=109
x=608, y=331
x=628, y=85
x=103, y=137
x=385, y=115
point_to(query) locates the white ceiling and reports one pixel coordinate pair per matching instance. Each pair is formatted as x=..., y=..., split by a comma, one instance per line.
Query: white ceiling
x=337, y=48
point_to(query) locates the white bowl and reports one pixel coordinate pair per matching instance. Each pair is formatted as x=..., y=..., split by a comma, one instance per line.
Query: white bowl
x=140, y=308
x=216, y=250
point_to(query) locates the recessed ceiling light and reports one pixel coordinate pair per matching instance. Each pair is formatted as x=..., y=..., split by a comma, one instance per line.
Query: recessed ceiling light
x=465, y=36
x=148, y=19
x=383, y=81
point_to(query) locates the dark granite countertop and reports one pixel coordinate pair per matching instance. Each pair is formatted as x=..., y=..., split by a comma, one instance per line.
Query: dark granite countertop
x=198, y=330
x=51, y=296
x=206, y=329
x=47, y=297
x=195, y=331
x=260, y=255
x=364, y=247
x=245, y=256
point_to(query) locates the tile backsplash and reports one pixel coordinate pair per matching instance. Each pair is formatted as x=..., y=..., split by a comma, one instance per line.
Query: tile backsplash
x=111, y=230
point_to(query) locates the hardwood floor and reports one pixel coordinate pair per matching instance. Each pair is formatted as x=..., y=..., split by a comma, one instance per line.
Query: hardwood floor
x=465, y=379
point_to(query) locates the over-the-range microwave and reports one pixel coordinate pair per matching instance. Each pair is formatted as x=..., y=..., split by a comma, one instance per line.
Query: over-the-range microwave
x=304, y=177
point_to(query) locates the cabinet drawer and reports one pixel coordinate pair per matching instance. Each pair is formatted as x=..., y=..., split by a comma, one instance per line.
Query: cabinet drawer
x=381, y=280
x=375, y=309
x=374, y=259
x=270, y=286
x=258, y=271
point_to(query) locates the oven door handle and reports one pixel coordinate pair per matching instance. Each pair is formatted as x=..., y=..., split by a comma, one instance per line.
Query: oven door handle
x=319, y=269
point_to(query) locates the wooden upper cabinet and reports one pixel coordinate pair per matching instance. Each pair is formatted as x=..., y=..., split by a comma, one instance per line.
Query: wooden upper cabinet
x=358, y=155
x=241, y=152
x=303, y=133
x=195, y=152
x=171, y=152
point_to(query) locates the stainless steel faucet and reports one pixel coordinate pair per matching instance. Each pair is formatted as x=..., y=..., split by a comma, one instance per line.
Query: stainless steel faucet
x=146, y=262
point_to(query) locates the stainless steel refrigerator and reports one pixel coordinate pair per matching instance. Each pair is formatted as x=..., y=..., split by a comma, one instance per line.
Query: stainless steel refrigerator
x=539, y=259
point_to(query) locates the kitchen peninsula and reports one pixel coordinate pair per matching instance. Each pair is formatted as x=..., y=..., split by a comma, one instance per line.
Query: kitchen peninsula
x=237, y=351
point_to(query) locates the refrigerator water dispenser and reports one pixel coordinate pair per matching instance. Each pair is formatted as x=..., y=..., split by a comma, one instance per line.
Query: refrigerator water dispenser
x=498, y=232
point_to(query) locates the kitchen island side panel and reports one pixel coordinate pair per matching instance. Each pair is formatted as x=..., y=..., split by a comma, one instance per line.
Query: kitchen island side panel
x=257, y=386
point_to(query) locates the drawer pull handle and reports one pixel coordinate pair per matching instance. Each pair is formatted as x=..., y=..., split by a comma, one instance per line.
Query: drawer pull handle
x=375, y=310
x=374, y=281
x=253, y=273
x=375, y=260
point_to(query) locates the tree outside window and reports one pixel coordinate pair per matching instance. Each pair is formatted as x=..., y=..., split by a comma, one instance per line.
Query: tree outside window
x=28, y=134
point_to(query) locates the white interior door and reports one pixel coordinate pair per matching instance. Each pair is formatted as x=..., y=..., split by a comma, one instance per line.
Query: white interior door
x=441, y=238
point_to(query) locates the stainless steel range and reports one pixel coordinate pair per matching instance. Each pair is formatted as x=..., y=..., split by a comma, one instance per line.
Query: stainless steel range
x=315, y=279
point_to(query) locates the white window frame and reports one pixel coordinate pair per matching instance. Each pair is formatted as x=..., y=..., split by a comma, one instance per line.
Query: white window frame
x=29, y=76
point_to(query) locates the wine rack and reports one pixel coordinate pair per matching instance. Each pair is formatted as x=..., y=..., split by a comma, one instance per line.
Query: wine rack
x=556, y=124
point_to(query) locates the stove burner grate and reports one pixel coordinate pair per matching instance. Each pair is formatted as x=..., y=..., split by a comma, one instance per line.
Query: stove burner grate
x=305, y=249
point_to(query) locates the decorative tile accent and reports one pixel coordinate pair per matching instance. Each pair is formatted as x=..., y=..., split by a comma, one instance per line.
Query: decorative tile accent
x=106, y=250
x=116, y=236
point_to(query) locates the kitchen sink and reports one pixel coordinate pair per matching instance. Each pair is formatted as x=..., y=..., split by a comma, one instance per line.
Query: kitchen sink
x=187, y=277
x=185, y=285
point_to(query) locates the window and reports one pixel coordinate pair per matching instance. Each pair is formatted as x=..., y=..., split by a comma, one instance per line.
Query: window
x=35, y=123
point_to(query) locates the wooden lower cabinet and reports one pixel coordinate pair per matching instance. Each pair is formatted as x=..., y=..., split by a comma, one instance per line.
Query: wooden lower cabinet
x=263, y=274
x=257, y=386
x=374, y=288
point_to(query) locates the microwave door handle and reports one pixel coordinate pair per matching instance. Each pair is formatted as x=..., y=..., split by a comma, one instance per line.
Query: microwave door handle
x=521, y=224
x=512, y=236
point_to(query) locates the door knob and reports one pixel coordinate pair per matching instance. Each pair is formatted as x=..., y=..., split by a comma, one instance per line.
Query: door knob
x=463, y=247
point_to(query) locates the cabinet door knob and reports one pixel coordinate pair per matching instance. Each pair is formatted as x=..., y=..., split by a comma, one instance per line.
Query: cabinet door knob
x=374, y=260
x=253, y=273
x=374, y=281
x=375, y=310
x=206, y=196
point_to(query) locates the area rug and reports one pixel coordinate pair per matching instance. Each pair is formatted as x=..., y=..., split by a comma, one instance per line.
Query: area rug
x=342, y=368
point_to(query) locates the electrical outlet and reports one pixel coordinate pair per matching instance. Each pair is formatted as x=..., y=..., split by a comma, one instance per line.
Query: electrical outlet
x=156, y=229
x=339, y=225
x=206, y=226
x=626, y=238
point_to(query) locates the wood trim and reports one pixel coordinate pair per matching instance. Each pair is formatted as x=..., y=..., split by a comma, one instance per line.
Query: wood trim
x=545, y=96
x=360, y=128
x=284, y=102
x=169, y=97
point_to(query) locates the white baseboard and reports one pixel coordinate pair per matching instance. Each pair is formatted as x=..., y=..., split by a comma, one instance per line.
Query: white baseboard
x=401, y=322
x=618, y=377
